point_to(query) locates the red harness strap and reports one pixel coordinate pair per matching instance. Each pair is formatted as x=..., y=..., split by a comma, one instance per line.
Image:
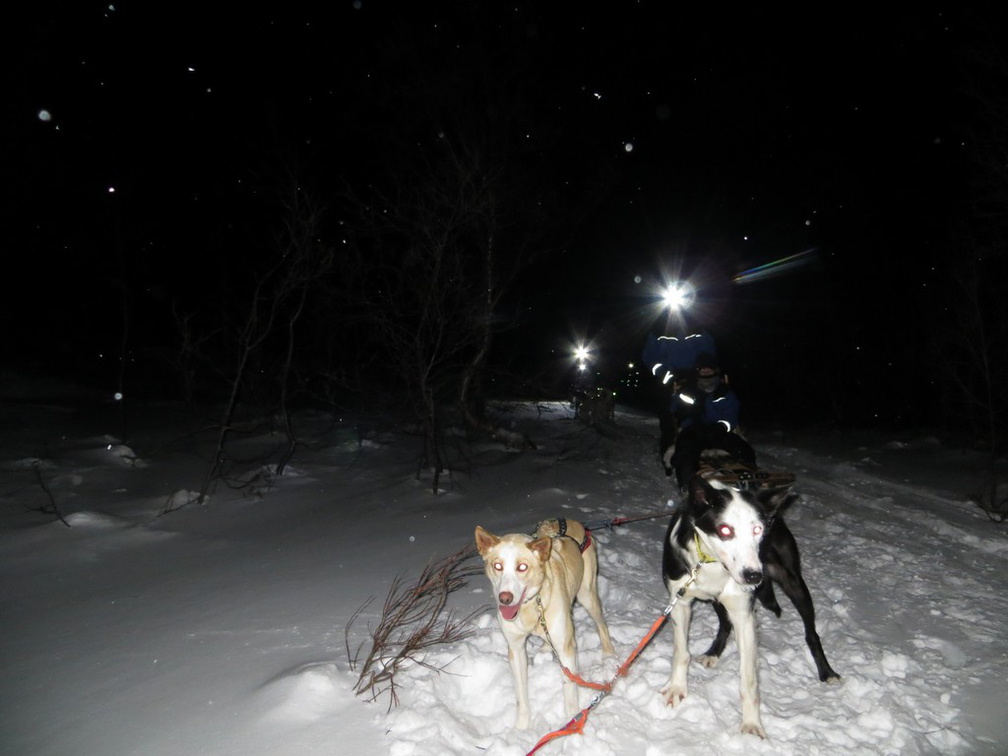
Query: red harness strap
x=576, y=725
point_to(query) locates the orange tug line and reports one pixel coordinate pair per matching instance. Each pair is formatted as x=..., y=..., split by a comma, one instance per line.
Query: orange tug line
x=576, y=725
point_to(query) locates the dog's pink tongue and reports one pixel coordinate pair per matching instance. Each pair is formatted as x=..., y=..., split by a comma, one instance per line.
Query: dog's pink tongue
x=510, y=611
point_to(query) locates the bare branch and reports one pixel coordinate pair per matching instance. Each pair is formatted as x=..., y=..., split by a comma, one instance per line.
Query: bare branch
x=413, y=620
x=53, y=507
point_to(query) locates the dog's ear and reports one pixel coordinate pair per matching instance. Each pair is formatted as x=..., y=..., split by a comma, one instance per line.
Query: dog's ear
x=542, y=547
x=775, y=500
x=485, y=541
x=701, y=492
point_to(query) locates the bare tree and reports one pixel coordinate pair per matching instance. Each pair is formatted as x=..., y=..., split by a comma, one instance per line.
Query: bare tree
x=972, y=337
x=275, y=306
x=977, y=306
x=309, y=260
x=974, y=340
x=432, y=278
x=189, y=354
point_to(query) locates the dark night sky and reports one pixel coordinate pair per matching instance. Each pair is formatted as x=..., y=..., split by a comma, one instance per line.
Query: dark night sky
x=705, y=138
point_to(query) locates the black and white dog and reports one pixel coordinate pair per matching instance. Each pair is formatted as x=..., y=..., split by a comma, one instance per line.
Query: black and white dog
x=720, y=546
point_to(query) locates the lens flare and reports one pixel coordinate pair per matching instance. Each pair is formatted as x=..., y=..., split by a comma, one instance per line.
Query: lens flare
x=775, y=268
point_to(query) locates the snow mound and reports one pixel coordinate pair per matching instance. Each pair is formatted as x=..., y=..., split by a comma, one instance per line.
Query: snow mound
x=182, y=497
x=304, y=694
x=95, y=521
x=105, y=449
x=357, y=444
x=124, y=455
x=28, y=463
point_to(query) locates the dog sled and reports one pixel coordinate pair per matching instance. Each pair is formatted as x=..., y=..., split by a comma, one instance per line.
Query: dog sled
x=716, y=465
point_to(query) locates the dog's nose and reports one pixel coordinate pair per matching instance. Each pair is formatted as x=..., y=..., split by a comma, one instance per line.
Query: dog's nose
x=505, y=598
x=752, y=577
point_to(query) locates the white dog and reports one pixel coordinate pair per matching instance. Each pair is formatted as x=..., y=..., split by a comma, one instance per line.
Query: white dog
x=535, y=581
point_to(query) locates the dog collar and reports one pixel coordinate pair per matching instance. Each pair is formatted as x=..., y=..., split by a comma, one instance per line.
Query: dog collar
x=704, y=557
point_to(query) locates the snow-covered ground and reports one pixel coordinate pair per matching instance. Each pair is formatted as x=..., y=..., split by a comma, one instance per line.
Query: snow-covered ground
x=221, y=629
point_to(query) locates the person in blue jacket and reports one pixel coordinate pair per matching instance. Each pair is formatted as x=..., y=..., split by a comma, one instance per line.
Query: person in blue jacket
x=671, y=361
x=707, y=411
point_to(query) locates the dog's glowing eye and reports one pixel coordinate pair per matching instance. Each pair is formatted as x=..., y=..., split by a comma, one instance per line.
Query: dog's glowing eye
x=523, y=567
x=726, y=531
x=498, y=566
x=757, y=530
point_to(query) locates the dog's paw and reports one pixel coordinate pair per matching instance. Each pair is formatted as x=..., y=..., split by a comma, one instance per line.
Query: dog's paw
x=753, y=728
x=673, y=694
x=706, y=660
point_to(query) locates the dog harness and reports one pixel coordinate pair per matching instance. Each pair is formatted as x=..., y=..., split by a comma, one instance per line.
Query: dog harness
x=562, y=533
